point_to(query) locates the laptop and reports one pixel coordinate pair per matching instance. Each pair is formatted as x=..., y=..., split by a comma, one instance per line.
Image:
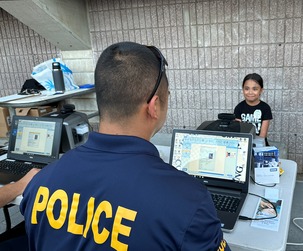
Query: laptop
x=219, y=159
x=33, y=141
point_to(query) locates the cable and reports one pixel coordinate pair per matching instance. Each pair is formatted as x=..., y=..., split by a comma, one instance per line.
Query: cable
x=273, y=185
x=241, y=217
x=301, y=228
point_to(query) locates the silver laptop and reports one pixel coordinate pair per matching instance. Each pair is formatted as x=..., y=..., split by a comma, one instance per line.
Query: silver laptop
x=219, y=159
x=33, y=142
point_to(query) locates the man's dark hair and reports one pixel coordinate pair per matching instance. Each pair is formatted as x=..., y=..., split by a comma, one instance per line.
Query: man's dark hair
x=255, y=77
x=125, y=76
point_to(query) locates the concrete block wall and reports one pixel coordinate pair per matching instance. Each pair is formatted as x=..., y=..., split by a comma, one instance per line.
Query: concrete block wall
x=82, y=65
x=210, y=46
x=20, y=50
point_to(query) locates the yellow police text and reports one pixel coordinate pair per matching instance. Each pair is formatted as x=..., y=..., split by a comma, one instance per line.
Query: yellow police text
x=45, y=202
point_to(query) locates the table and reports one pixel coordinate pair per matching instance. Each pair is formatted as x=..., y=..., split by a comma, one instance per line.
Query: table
x=46, y=97
x=245, y=237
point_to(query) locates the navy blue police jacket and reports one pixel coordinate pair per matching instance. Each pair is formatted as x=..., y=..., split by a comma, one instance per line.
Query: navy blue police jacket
x=116, y=193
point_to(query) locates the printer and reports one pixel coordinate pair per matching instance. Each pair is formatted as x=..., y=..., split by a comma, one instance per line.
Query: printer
x=75, y=127
x=227, y=122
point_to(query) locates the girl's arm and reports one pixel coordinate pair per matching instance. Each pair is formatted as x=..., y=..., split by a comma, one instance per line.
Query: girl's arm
x=264, y=128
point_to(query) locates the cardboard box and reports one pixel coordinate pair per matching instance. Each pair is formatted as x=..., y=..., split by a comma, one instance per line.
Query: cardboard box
x=34, y=111
x=266, y=164
x=5, y=122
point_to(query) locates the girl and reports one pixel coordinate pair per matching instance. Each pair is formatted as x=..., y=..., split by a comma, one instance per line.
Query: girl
x=252, y=109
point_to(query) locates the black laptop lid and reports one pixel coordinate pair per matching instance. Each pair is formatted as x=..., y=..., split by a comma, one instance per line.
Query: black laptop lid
x=35, y=139
x=221, y=159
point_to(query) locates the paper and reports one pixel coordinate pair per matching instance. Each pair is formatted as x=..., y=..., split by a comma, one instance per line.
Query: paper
x=265, y=210
x=266, y=165
x=271, y=193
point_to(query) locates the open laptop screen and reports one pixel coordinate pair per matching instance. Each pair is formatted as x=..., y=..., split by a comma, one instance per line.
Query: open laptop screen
x=212, y=154
x=35, y=139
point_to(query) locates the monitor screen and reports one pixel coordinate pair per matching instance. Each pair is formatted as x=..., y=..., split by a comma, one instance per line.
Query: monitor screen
x=212, y=154
x=35, y=138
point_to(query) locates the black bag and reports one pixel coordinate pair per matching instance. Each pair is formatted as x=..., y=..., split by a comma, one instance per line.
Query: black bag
x=31, y=84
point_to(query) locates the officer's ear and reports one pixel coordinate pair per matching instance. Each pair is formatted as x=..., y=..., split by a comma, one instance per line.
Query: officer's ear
x=153, y=107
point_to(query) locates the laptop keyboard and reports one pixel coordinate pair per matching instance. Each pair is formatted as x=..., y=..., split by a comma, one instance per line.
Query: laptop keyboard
x=16, y=167
x=3, y=151
x=225, y=203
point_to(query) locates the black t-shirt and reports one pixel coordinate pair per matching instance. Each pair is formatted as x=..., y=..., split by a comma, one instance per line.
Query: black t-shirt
x=253, y=114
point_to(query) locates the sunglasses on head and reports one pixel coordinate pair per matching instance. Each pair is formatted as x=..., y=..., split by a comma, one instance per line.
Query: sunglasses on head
x=163, y=62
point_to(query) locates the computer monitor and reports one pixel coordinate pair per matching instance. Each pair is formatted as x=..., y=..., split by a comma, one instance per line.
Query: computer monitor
x=213, y=155
x=35, y=138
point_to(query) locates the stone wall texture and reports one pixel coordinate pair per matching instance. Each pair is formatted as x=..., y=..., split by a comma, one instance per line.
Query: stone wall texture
x=210, y=45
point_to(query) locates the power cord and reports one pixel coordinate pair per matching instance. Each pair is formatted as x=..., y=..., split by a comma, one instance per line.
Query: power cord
x=241, y=217
x=301, y=228
x=272, y=185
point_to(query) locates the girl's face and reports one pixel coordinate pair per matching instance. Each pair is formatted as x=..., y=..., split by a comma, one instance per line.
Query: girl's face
x=252, y=92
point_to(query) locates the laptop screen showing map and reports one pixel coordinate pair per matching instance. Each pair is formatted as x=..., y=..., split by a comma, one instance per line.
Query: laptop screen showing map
x=211, y=154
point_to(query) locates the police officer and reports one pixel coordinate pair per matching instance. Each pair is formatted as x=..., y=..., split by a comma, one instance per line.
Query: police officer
x=115, y=192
